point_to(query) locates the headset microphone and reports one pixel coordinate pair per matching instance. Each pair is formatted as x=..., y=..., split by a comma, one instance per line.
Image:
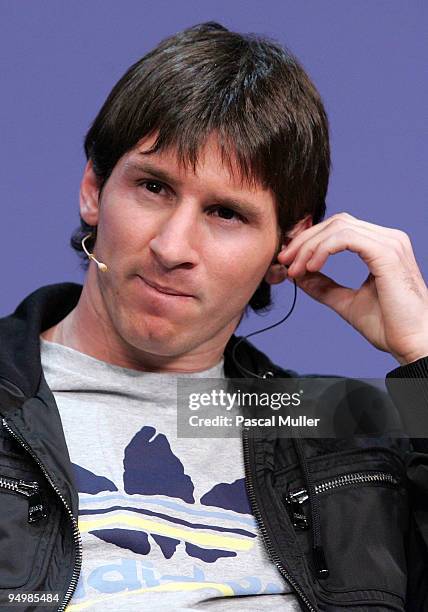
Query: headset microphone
x=101, y=266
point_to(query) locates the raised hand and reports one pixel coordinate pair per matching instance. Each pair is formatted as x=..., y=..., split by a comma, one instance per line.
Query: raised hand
x=390, y=308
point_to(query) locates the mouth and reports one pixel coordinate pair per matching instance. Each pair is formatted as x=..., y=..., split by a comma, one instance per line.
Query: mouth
x=168, y=291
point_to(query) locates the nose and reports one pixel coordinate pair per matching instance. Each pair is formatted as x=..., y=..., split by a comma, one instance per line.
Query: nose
x=175, y=241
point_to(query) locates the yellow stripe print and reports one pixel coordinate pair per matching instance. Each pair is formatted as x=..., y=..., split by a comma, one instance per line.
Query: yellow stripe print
x=178, y=533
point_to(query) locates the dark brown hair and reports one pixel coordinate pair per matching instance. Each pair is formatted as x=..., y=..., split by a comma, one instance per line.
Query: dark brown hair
x=250, y=91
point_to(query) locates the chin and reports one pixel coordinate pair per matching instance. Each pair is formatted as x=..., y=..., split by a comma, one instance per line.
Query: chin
x=157, y=337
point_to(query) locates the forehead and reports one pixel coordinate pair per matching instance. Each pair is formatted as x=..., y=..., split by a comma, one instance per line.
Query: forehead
x=211, y=162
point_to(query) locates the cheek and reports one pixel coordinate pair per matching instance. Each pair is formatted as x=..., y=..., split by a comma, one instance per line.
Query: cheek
x=119, y=228
x=238, y=271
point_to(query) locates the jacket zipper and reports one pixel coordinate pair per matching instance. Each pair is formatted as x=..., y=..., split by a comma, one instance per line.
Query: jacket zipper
x=294, y=499
x=31, y=490
x=265, y=536
x=76, y=533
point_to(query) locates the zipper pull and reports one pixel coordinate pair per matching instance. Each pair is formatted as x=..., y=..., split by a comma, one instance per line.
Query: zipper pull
x=320, y=563
x=293, y=503
x=36, y=509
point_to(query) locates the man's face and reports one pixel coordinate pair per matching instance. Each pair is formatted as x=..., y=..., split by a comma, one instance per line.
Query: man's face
x=185, y=251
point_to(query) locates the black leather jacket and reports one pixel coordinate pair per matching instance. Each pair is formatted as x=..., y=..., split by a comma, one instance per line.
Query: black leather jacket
x=367, y=521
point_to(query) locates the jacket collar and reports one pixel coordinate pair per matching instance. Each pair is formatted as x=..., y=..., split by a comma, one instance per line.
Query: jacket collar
x=19, y=333
x=20, y=364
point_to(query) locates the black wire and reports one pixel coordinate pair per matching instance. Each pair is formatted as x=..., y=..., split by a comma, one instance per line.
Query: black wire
x=259, y=331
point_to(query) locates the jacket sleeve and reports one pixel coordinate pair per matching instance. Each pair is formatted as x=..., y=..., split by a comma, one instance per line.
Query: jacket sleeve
x=410, y=396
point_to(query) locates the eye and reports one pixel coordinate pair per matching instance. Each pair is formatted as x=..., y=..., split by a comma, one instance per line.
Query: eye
x=228, y=214
x=151, y=185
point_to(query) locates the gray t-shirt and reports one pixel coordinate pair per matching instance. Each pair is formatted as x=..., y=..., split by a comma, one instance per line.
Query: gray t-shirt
x=165, y=521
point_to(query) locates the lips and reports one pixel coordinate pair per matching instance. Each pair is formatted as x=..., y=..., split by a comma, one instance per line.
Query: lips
x=166, y=290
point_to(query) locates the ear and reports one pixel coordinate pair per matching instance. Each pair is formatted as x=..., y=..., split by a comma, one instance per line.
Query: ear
x=89, y=192
x=277, y=272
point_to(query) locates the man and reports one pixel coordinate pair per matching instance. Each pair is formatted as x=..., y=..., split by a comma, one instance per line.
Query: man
x=206, y=176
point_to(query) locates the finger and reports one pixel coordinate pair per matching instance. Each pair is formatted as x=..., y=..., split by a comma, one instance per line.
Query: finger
x=338, y=222
x=326, y=291
x=288, y=252
x=314, y=253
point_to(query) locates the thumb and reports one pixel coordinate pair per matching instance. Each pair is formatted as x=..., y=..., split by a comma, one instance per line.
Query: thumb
x=325, y=290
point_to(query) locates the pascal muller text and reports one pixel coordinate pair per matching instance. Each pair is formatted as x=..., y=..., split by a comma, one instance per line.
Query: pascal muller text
x=275, y=420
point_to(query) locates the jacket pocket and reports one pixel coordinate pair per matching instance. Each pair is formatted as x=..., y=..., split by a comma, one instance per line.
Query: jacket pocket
x=363, y=519
x=23, y=522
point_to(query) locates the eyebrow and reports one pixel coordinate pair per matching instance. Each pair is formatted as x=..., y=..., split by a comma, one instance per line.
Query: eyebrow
x=152, y=169
x=244, y=207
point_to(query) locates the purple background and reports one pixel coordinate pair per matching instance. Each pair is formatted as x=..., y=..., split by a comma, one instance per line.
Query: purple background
x=368, y=58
